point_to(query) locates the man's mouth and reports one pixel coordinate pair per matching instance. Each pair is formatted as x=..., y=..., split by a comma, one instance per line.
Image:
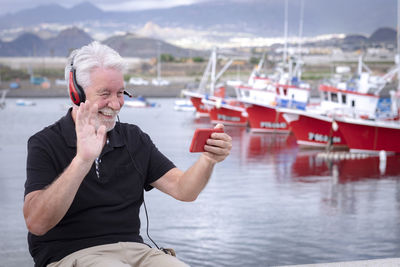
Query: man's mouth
x=108, y=112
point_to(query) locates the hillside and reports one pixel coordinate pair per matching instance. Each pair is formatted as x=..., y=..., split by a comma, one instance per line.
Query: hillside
x=129, y=45
x=258, y=17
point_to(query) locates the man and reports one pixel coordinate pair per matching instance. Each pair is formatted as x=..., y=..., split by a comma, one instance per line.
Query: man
x=86, y=174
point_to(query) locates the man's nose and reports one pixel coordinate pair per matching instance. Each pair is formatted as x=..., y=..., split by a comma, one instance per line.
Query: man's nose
x=114, y=103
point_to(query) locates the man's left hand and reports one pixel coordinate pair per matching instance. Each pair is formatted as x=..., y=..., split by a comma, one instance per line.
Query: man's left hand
x=218, y=146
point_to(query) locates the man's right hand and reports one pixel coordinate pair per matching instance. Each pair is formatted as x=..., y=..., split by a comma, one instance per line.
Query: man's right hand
x=91, y=136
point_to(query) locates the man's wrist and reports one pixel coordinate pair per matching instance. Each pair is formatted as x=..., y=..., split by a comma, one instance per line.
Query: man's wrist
x=81, y=162
x=208, y=159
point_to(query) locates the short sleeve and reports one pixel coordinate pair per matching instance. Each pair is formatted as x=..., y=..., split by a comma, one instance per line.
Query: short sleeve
x=158, y=164
x=40, y=170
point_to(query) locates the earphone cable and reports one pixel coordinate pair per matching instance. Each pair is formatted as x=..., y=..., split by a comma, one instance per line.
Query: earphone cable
x=147, y=224
x=144, y=203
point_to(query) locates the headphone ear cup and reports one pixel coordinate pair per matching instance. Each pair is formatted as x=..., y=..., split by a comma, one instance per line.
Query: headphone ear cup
x=76, y=92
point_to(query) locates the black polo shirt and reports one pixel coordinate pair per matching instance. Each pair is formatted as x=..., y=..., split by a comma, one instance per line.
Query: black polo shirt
x=106, y=207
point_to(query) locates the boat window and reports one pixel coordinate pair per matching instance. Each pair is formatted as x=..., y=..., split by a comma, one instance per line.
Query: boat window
x=334, y=97
x=343, y=98
x=353, y=103
x=325, y=95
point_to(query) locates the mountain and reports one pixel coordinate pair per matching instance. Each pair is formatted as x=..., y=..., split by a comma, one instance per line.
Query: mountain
x=128, y=45
x=381, y=35
x=51, y=13
x=131, y=45
x=67, y=40
x=257, y=17
x=28, y=44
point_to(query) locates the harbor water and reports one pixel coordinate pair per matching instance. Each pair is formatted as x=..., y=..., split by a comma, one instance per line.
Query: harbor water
x=269, y=203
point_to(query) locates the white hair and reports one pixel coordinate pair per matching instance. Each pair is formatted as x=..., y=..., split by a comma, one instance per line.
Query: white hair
x=89, y=57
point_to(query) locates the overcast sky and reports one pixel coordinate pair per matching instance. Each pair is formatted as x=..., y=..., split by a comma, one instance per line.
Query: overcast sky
x=11, y=6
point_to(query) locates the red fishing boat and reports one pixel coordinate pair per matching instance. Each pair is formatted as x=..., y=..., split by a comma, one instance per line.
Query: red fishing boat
x=283, y=88
x=365, y=98
x=226, y=111
x=262, y=105
x=208, y=87
x=370, y=136
x=314, y=129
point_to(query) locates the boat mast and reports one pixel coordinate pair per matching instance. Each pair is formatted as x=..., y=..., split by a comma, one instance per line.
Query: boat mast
x=285, y=31
x=298, y=62
x=213, y=67
x=397, y=60
x=209, y=72
x=158, y=62
x=301, y=26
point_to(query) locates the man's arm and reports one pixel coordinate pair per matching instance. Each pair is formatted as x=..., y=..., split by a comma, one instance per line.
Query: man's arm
x=186, y=186
x=43, y=209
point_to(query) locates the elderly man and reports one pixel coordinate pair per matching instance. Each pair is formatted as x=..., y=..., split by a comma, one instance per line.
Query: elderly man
x=86, y=174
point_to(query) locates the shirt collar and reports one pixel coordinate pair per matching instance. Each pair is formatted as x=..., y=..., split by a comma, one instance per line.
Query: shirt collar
x=67, y=125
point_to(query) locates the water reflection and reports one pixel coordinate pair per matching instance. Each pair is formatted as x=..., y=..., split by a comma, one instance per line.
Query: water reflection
x=270, y=203
x=310, y=164
x=340, y=175
x=259, y=145
x=306, y=165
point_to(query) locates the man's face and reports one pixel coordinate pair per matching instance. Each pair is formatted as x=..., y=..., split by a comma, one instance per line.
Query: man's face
x=107, y=91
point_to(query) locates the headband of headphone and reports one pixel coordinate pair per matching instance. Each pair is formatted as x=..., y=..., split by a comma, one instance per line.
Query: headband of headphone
x=76, y=92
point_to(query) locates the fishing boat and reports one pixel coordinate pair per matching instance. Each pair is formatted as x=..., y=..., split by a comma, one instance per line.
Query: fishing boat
x=312, y=129
x=370, y=136
x=24, y=102
x=209, y=88
x=184, y=105
x=233, y=111
x=227, y=111
x=264, y=94
x=366, y=97
x=262, y=105
x=379, y=133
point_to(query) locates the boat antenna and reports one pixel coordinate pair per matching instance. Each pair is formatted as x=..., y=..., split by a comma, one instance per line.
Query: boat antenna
x=301, y=26
x=297, y=69
x=285, y=30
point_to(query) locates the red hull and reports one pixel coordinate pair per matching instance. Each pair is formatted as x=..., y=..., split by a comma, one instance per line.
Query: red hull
x=266, y=119
x=201, y=109
x=315, y=131
x=228, y=116
x=371, y=136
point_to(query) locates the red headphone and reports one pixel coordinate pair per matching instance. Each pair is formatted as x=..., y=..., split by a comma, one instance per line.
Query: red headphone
x=76, y=92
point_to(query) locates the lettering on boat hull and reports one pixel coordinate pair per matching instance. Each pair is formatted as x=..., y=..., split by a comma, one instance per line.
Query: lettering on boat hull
x=273, y=125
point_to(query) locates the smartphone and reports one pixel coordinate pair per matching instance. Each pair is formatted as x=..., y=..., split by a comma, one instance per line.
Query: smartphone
x=200, y=138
